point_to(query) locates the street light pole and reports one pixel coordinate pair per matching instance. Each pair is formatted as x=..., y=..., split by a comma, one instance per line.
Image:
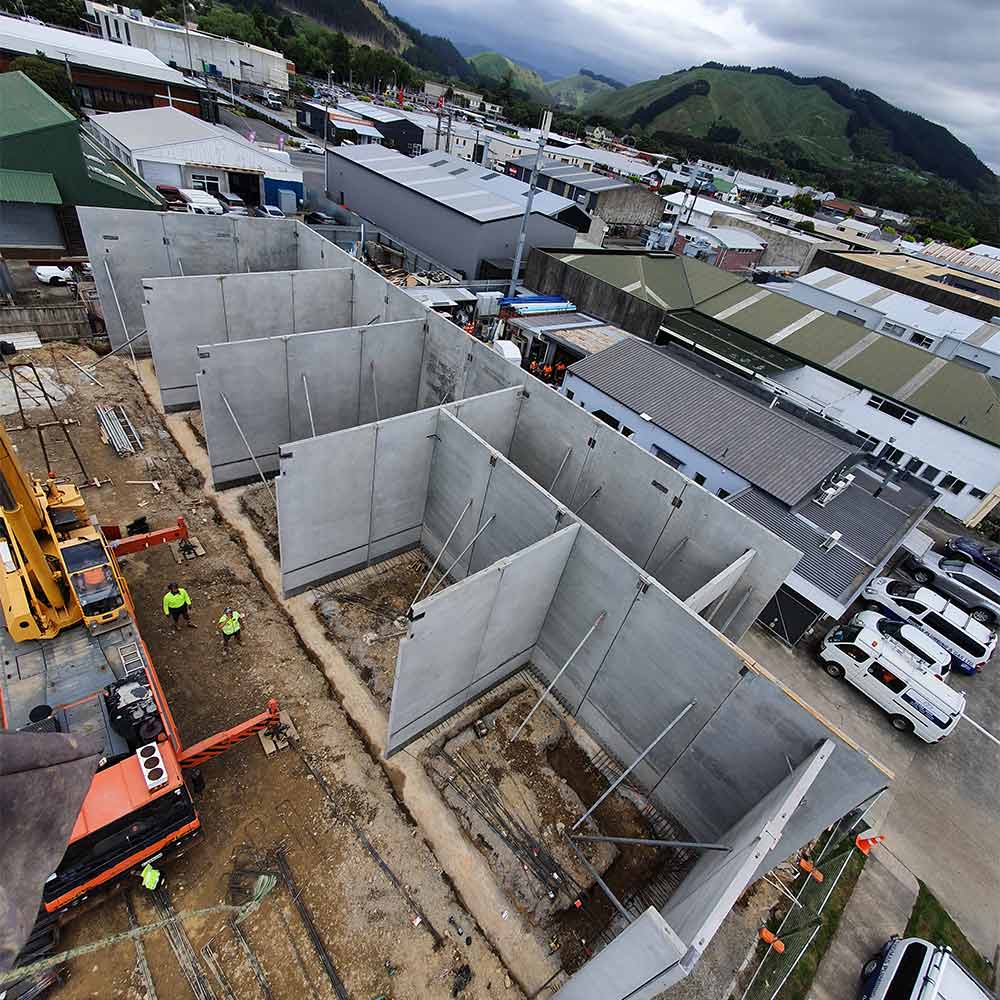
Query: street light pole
x=542, y=140
x=326, y=132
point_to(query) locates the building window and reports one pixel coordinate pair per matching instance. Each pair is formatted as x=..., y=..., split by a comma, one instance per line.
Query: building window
x=894, y=329
x=205, y=182
x=892, y=455
x=914, y=465
x=920, y=340
x=977, y=494
x=952, y=485
x=128, y=36
x=665, y=456
x=929, y=473
x=892, y=409
x=722, y=494
x=569, y=393
x=869, y=443
x=699, y=479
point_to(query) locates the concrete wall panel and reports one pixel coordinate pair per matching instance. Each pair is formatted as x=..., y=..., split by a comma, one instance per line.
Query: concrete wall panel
x=200, y=244
x=331, y=362
x=460, y=472
x=492, y=417
x=370, y=292
x=257, y=365
x=442, y=370
x=321, y=299
x=488, y=371
x=261, y=246
x=316, y=251
x=258, y=305
x=473, y=635
x=395, y=350
x=324, y=505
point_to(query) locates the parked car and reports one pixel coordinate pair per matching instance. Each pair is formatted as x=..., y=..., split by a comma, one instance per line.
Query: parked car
x=970, y=585
x=231, y=203
x=922, y=651
x=273, y=101
x=201, y=202
x=270, y=212
x=915, y=969
x=970, y=643
x=973, y=550
x=176, y=202
x=49, y=274
x=320, y=219
x=311, y=147
x=916, y=701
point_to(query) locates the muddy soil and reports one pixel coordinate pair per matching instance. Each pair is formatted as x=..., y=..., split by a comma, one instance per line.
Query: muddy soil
x=251, y=802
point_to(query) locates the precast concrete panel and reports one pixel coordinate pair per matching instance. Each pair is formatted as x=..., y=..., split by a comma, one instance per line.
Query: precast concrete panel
x=740, y=755
x=471, y=636
x=390, y=369
x=399, y=305
x=321, y=300
x=257, y=305
x=315, y=251
x=639, y=964
x=200, y=244
x=596, y=579
x=369, y=296
x=331, y=362
x=265, y=244
x=662, y=658
x=623, y=494
x=492, y=417
x=489, y=371
x=404, y=447
x=550, y=441
x=460, y=473
x=253, y=378
x=700, y=903
x=522, y=515
x=442, y=369
x=324, y=506
x=134, y=247
x=180, y=314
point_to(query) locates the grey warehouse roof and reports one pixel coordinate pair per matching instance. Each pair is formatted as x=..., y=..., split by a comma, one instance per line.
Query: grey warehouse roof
x=373, y=112
x=586, y=180
x=452, y=192
x=778, y=452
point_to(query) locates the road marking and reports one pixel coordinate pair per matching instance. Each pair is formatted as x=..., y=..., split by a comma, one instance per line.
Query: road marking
x=985, y=732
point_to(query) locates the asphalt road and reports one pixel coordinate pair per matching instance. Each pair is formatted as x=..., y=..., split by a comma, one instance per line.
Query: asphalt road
x=941, y=814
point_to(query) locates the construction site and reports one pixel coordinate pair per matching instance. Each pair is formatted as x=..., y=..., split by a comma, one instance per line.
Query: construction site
x=520, y=751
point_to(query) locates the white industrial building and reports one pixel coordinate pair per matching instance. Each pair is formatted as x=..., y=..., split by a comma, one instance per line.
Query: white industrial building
x=930, y=327
x=167, y=146
x=190, y=50
x=698, y=211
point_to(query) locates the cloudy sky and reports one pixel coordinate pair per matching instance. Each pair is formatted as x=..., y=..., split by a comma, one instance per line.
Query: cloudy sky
x=938, y=59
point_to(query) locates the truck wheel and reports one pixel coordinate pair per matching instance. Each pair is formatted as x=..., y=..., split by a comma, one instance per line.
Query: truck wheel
x=923, y=576
x=835, y=670
x=870, y=966
x=901, y=724
x=872, y=606
x=983, y=615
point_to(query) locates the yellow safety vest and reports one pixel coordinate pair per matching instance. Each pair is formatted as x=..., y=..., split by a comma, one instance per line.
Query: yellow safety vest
x=230, y=625
x=150, y=877
x=178, y=600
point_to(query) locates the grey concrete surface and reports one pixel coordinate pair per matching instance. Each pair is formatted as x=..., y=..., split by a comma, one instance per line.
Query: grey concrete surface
x=878, y=908
x=941, y=816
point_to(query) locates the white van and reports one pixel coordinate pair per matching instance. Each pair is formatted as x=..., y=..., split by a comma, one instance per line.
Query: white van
x=915, y=969
x=970, y=643
x=201, y=202
x=923, y=652
x=916, y=701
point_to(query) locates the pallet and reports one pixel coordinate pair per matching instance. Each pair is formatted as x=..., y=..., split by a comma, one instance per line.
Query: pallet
x=189, y=549
x=273, y=744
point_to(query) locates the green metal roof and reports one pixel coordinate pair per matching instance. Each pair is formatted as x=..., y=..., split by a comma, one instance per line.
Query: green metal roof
x=26, y=107
x=29, y=186
x=723, y=187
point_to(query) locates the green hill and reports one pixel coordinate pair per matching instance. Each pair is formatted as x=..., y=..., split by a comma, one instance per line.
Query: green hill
x=818, y=119
x=576, y=90
x=495, y=68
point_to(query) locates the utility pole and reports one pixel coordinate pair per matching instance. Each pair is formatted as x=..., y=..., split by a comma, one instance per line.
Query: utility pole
x=326, y=133
x=187, y=37
x=543, y=138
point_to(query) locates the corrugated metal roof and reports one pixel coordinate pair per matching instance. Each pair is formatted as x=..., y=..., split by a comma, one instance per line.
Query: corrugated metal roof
x=29, y=187
x=585, y=180
x=373, y=112
x=26, y=107
x=772, y=449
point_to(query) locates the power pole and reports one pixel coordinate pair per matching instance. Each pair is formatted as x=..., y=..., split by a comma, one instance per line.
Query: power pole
x=543, y=138
x=187, y=36
x=326, y=133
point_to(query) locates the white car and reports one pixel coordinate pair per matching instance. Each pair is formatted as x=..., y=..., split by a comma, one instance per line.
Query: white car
x=270, y=212
x=311, y=147
x=49, y=274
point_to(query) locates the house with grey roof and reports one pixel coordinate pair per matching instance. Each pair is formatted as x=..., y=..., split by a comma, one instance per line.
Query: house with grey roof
x=801, y=476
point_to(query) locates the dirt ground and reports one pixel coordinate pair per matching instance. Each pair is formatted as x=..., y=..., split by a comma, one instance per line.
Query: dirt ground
x=253, y=803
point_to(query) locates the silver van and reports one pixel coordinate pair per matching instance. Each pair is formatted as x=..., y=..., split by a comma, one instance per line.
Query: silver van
x=972, y=586
x=915, y=969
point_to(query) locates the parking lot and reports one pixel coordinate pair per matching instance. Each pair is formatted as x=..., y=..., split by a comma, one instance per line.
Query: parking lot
x=941, y=815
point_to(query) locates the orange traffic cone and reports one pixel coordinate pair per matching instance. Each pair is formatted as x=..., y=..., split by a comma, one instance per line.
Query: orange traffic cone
x=865, y=844
x=769, y=937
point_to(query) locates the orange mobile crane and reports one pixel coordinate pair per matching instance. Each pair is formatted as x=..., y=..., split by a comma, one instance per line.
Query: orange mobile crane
x=74, y=661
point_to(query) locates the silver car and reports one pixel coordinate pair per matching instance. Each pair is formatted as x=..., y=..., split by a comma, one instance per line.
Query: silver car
x=971, y=586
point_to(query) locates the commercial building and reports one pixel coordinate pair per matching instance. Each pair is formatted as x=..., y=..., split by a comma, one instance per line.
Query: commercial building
x=191, y=51
x=789, y=251
x=106, y=76
x=560, y=336
x=731, y=249
x=51, y=165
x=858, y=236
x=801, y=476
x=936, y=419
x=942, y=332
x=165, y=146
x=395, y=127
x=340, y=126
x=452, y=219
x=699, y=211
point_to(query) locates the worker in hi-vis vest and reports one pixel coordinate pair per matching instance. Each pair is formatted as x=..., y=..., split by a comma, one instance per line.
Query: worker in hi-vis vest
x=176, y=602
x=150, y=877
x=229, y=624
